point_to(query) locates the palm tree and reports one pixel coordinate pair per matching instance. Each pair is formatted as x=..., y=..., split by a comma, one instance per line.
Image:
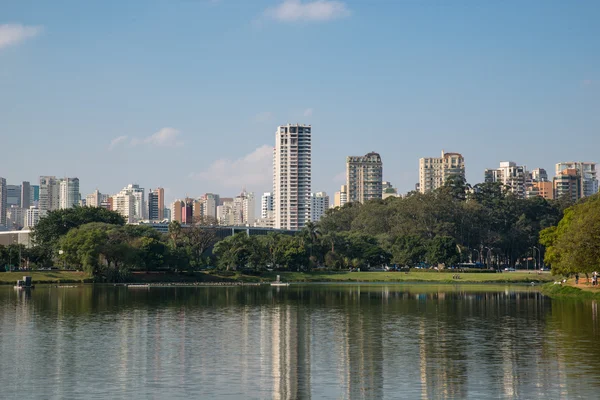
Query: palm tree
x=312, y=232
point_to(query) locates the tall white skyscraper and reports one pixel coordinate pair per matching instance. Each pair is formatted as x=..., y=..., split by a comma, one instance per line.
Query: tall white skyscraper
x=69, y=193
x=319, y=203
x=588, y=173
x=292, y=176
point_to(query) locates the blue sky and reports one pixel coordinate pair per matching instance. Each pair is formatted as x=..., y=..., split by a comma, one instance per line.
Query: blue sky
x=186, y=94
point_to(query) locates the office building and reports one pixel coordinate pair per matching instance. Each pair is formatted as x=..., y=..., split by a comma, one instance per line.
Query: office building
x=292, y=176
x=3, y=199
x=69, y=196
x=340, y=198
x=167, y=214
x=319, y=203
x=156, y=204
x=35, y=195
x=514, y=177
x=13, y=196
x=364, y=177
x=588, y=173
x=25, y=195
x=434, y=171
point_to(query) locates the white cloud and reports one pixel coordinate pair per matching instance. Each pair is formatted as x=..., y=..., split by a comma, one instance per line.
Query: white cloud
x=166, y=137
x=308, y=112
x=117, y=141
x=316, y=10
x=254, y=169
x=263, y=117
x=11, y=34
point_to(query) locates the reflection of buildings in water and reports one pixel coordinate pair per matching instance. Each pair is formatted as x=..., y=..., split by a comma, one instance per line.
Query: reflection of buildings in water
x=290, y=352
x=594, y=316
x=365, y=354
x=423, y=360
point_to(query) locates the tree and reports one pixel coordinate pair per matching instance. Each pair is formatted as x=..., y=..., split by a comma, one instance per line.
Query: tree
x=56, y=224
x=442, y=250
x=574, y=245
x=197, y=241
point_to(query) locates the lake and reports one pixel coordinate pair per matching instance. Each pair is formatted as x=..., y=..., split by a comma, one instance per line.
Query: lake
x=345, y=341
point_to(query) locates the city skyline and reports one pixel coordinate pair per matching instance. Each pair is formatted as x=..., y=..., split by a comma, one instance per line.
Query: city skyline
x=459, y=78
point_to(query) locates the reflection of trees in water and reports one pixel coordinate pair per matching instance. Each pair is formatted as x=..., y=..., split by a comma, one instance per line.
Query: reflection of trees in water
x=412, y=340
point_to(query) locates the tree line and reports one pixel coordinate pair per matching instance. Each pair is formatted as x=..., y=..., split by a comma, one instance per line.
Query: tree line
x=456, y=223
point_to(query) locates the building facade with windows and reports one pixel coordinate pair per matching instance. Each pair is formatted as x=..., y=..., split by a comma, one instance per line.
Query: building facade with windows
x=588, y=173
x=364, y=177
x=435, y=171
x=292, y=176
x=514, y=177
x=319, y=203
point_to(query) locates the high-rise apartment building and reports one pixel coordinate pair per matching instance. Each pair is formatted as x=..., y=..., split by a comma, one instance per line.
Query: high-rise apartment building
x=139, y=202
x=3, y=196
x=568, y=183
x=176, y=208
x=434, y=171
x=319, y=203
x=225, y=214
x=292, y=176
x=49, y=194
x=32, y=216
x=341, y=197
x=588, y=173
x=364, y=177
x=539, y=175
x=244, y=209
x=25, y=195
x=69, y=196
x=209, y=204
x=537, y=184
x=514, y=177
x=266, y=205
x=124, y=203
x=94, y=199
x=156, y=204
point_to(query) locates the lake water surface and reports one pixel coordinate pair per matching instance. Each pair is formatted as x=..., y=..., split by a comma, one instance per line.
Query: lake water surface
x=297, y=342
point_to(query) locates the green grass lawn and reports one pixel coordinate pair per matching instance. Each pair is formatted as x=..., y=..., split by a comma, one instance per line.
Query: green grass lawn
x=39, y=277
x=413, y=276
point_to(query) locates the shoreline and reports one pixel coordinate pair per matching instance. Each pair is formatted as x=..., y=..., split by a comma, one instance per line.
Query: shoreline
x=223, y=278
